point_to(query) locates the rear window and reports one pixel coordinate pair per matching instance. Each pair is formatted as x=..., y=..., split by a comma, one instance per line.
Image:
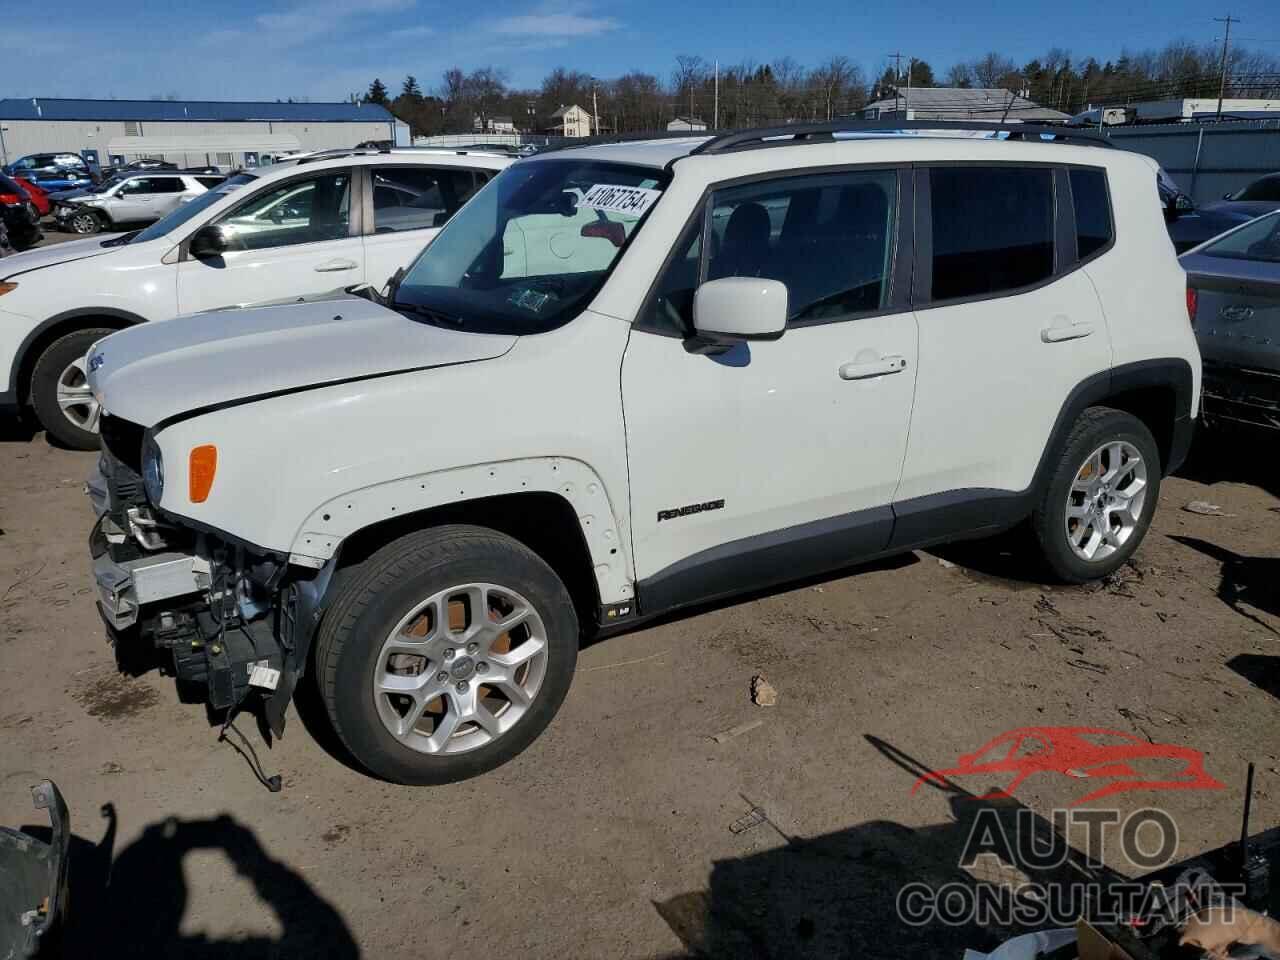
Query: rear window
x=209, y=182
x=992, y=229
x=1257, y=240
x=1092, y=210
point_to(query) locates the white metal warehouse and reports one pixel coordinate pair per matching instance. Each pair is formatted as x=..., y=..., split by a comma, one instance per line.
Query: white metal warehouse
x=186, y=132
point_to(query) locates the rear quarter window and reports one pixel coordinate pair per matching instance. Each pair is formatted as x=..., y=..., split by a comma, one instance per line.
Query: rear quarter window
x=1092, y=206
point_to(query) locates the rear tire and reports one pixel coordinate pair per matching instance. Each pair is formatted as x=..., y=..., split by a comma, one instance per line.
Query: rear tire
x=1101, y=496
x=60, y=394
x=460, y=704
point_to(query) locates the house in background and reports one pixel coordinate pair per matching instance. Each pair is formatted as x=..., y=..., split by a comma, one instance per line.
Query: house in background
x=571, y=121
x=493, y=125
x=991, y=104
x=689, y=124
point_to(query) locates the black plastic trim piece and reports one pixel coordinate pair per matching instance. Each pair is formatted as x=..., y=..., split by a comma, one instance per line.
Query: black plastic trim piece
x=766, y=559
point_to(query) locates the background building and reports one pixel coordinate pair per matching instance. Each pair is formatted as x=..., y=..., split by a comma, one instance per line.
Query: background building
x=690, y=124
x=571, y=121
x=958, y=103
x=227, y=134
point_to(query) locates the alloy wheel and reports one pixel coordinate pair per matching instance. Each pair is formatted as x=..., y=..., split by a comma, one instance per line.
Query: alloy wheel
x=1105, y=501
x=75, y=399
x=460, y=669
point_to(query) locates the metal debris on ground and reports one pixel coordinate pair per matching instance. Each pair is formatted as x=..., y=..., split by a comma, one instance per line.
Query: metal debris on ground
x=752, y=819
x=763, y=693
x=1205, y=509
x=726, y=735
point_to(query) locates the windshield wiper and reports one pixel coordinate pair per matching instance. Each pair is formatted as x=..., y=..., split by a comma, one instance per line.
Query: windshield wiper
x=437, y=317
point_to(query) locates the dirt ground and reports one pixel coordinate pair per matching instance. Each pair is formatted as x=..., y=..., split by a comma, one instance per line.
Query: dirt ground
x=611, y=836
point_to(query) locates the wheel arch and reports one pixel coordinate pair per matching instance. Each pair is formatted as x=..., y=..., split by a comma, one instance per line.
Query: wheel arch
x=558, y=507
x=55, y=328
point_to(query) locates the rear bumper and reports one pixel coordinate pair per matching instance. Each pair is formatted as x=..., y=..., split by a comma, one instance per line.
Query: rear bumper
x=1241, y=397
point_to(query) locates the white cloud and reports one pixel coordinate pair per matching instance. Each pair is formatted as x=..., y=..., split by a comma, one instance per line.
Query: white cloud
x=554, y=25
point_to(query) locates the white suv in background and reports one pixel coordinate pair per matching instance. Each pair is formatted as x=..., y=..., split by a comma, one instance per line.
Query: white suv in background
x=130, y=199
x=292, y=230
x=748, y=359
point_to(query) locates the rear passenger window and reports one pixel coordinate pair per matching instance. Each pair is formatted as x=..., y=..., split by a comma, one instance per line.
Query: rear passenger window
x=415, y=198
x=1093, y=211
x=992, y=229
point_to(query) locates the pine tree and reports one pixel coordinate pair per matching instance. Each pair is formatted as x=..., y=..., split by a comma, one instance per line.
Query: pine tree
x=377, y=93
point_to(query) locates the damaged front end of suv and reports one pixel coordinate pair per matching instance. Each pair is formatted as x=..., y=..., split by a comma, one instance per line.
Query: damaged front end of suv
x=227, y=619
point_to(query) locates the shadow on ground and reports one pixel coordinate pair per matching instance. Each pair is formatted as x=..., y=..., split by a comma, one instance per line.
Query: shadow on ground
x=837, y=895
x=1229, y=456
x=1260, y=670
x=132, y=904
x=1244, y=580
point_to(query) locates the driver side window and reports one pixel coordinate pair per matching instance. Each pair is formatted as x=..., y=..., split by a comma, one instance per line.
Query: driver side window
x=297, y=211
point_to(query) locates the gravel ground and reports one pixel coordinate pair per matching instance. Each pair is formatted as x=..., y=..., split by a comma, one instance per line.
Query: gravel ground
x=612, y=835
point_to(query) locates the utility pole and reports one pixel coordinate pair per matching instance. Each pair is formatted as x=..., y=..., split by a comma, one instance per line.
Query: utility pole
x=715, y=123
x=595, y=110
x=1226, y=40
x=897, y=78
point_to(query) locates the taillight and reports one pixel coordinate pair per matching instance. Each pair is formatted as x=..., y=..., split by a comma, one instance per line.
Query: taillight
x=1193, y=301
x=10, y=198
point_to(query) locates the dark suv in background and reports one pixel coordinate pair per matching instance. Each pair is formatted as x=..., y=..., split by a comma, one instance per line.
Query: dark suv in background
x=21, y=221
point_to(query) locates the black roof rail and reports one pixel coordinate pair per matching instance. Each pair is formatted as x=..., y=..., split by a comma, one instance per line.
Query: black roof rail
x=824, y=132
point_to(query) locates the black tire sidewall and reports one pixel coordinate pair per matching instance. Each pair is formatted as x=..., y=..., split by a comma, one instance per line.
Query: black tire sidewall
x=1098, y=427
x=44, y=387
x=350, y=700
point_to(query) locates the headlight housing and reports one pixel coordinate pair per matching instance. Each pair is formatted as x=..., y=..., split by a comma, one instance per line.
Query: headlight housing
x=152, y=470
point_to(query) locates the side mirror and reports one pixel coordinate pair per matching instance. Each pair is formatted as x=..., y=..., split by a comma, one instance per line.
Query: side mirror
x=736, y=309
x=210, y=242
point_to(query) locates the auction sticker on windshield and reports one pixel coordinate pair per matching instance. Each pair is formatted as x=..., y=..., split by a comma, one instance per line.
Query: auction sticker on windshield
x=618, y=199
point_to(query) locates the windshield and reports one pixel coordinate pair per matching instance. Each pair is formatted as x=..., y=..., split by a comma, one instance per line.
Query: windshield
x=105, y=185
x=1256, y=240
x=531, y=248
x=1268, y=188
x=186, y=211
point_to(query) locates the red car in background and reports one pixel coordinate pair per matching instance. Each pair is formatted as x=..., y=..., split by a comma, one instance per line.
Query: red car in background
x=38, y=197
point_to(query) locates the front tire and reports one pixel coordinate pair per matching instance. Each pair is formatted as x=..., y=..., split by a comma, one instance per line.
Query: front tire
x=1101, y=496
x=445, y=654
x=60, y=392
x=84, y=222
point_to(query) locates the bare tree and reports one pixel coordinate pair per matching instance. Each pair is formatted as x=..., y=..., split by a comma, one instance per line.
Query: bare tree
x=834, y=83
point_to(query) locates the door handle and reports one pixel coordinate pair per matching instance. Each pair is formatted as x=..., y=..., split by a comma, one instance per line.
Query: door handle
x=872, y=368
x=334, y=266
x=1061, y=329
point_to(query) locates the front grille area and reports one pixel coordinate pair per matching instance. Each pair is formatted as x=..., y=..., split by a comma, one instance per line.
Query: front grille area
x=123, y=440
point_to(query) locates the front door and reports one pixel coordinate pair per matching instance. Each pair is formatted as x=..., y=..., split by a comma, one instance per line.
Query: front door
x=290, y=239
x=775, y=459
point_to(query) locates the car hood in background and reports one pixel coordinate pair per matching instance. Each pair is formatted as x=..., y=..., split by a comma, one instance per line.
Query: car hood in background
x=156, y=371
x=37, y=259
x=1243, y=209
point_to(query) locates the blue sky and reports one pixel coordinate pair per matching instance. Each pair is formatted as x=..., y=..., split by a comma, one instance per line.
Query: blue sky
x=324, y=49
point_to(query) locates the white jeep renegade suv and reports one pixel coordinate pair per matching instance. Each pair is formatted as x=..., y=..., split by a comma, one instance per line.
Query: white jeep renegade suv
x=336, y=219
x=738, y=361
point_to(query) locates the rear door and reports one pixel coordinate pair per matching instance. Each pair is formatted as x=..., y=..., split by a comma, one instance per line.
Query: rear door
x=408, y=204
x=1009, y=326
x=290, y=238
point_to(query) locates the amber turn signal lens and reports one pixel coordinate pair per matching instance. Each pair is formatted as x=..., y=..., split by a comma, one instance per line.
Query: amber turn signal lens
x=7, y=288
x=203, y=465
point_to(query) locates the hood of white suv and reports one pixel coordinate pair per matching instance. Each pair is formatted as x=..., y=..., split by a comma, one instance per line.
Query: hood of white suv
x=20, y=263
x=155, y=371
